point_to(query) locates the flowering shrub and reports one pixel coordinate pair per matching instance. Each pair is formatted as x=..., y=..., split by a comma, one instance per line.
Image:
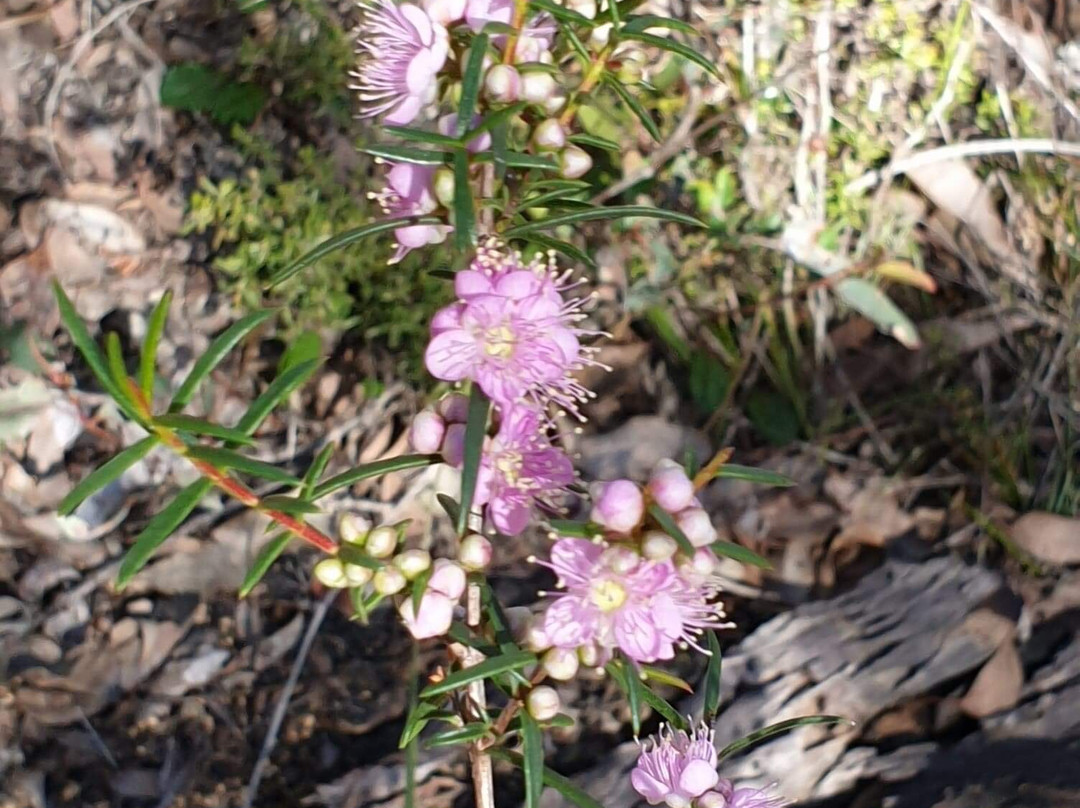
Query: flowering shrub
x=494, y=156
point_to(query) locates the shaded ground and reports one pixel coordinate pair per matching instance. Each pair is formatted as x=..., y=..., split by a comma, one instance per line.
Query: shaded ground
x=162, y=694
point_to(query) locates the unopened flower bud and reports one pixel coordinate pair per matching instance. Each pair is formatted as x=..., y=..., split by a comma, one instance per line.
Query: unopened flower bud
x=543, y=703
x=388, y=581
x=357, y=574
x=475, y=552
x=712, y=799
x=589, y=655
x=703, y=562
x=352, y=528
x=453, y=447
x=618, y=505
x=443, y=186
x=537, y=86
x=621, y=559
x=574, y=162
x=600, y=35
x=413, y=562
x=454, y=408
x=670, y=487
x=560, y=664
x=549, y=135
x=330, y=572
x=502, y=84
x=428, y=428
x=555, y=102
x=382, y=542
x=586, y=8
x=536, y=638
x=657, y=546
x=697, y=526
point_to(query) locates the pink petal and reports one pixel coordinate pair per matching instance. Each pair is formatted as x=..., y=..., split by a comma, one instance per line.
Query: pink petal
x=405, y=112
x=519, y=284
x=447, y=318
x=569, y=622
x=420, y=22
x=510, y=515
x=697, y=778
x=649, y=787
x=451, y=355
x=575, y=560
x=469, y=283
x=433, y=619
x=636, y=635
x=421, y=71
x=447, y=578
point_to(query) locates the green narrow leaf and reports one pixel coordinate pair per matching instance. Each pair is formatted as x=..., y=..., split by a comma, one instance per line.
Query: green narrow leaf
x=585, y=139
x=552, y=779
x=626, y=676
x=379, y=467
x=307, y=346
x=411, y=751
x=562, y=13
x=475, y=430
x=343, y=240
x=665, y=678
x=642, y=22
x=352, y=554
x=266, y=557
x=154, y=329
x=875, y=305
x=472, y=731
x=278, y=390
x=516, y=159
x=532, y=747
x=90, y=351
x=733, y=471
x=740, y=553
x=575, y=530
x=711, y=695
x=419, y=715
x=449, y=504
x=294, y=506
x=499, y=138
x=316, y=469
x=419, y=586
x=493, y=120
x=206, y=363
x=464, y=214
x=200, y=426
x=612, y=212
x=635, y=106
x=674, y=46
x=423, y=136
x=471, y=77
x=407, y=154
x=779, y=729
x=160, y=528
x=228, y=459
x=106, y=473
x=667, y=524
x=117, y=370
x=564, y=247
x=557, y=195
x=670, y=714
x=515, y=660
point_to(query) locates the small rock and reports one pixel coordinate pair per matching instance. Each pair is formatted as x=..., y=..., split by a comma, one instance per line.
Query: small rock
x=1048, y=537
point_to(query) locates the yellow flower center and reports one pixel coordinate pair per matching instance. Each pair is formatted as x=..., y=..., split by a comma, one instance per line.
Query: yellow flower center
x=499, y=342
x=608, y=595
x=508, y=464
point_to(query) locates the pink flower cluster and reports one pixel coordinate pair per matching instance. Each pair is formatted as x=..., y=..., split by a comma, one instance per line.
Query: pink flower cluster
x=679, y=771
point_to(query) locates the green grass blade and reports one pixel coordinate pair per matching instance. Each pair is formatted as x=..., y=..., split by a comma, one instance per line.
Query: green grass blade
x=355, y=475
x=266, y=557
x=206, y=363
x=278, y=390
x=779, y=729
x=515, y=660
x=532, y=764
x=154, y=329
x=594, y=214
x=200, y=426
x=475, y=430
x=343, y=240
x=160, y=528
x=106, y=473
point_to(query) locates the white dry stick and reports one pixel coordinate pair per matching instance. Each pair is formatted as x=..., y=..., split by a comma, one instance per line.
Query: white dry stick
x=822, y=46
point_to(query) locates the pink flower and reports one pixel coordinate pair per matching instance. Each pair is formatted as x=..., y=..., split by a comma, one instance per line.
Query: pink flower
x=448, y=127
x=751, y=798
x=479, y=13
x=614, y=598
x=677, y=768
x=408, y=193
x=427, y=431
x=511, y=332
x=401, y=53
x=518, y=467
x=445, y=12
x=436, y=611
x=670, y=487
x=618, y=505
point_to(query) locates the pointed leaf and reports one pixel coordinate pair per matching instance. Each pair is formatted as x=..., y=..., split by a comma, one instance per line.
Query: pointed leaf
x=407, y=154
x=472, y=731
x=471, y=77
x=532, y=763
x=464, y=213
x=740, y=553
x=665, y=678
x=228, y=459
x=779, y=729
x=515, y=660
x=278, y=391
x=167, y=520
x=154, y=328
x=419, y=586
x=200, y=426
x=575, y=530
x=594, y=214
x=293, y=506
x=343, y=240
x=635, y=106
x=557, y=195
x=674, y=46
x=626, y=676
x=667, y=524
x=206, y=363
x=475, y=430
x=375, y=469
x=562, y=13
x=876, y=306
x=567, y=249
x=642, y=22
x=552, y=779
x=422, y=136
x=661, y=706
x=733, y=471
x=494, y=119
x=711, y=695
x=585, y=139
x=352, y=554
x=316, y=469
x=117, y=370
x=106, y=473
x=418, y=718
x=266, y=557
x=449, y=504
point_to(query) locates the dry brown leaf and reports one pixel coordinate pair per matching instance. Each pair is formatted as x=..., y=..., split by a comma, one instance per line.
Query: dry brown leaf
x=998, y=685
x=1048, y=537
x=955, y=188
